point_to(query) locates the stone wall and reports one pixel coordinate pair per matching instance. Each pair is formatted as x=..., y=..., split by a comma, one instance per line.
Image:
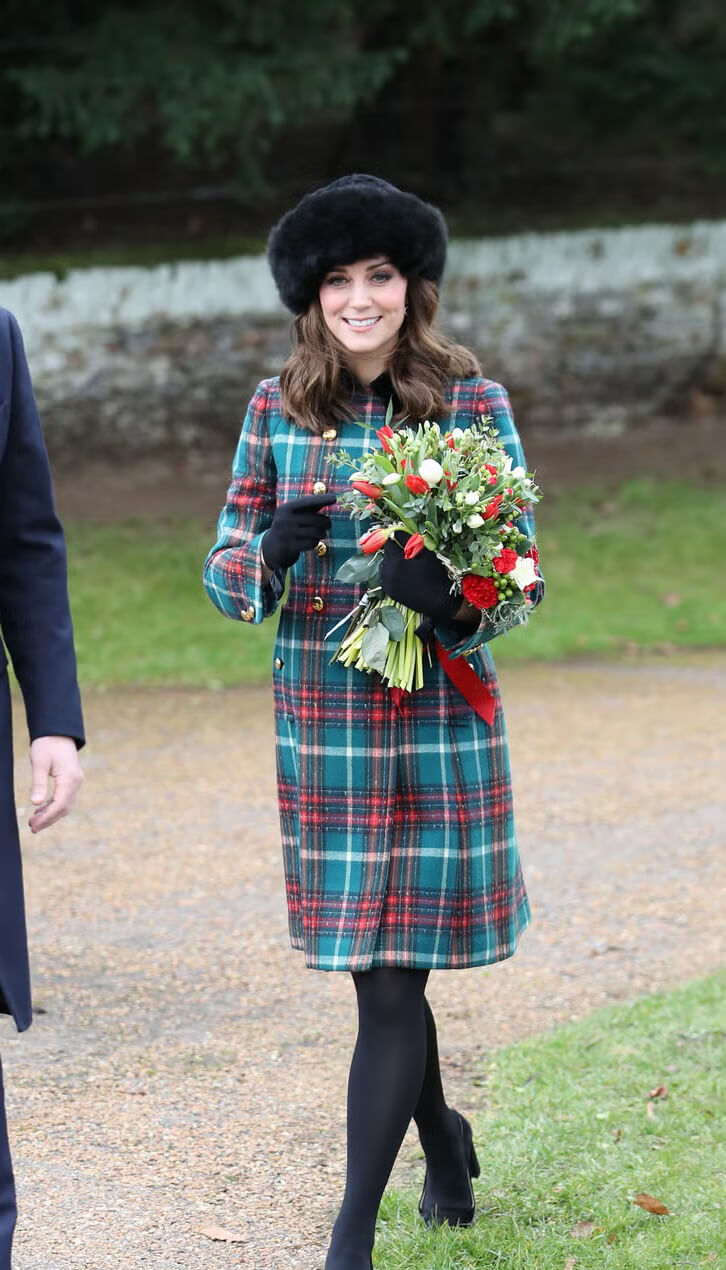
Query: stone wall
x=593, y=332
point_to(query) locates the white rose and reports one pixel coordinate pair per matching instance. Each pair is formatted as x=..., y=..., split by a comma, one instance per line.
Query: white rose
x=458, y=433
x=519, y=472
x=457, y=526
x=524, y=572
x=472, y=498
x=475, y=521
x=431, y=471
x=391, y=479
x=508, y=463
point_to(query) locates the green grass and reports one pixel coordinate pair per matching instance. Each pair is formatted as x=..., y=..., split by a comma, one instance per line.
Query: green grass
x=569, y=1139
x=642, y=568
x=14, y=264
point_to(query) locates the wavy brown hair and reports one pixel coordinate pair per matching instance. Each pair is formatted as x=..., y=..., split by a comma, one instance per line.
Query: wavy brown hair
x=315, y=384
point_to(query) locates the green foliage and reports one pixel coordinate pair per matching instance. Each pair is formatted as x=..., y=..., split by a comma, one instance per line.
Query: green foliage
x=211, y=87
x=207, y=82
x=640, y=569
x=569, y=1140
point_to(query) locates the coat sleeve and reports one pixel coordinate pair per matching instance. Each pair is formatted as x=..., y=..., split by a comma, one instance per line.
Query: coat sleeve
x=233, y=569
x=494, y=402
x=34, y=610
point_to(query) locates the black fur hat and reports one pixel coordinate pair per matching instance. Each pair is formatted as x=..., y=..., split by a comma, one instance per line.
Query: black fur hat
x=351, y=219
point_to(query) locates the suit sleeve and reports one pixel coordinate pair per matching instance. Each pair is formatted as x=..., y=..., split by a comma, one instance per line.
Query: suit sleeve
x=495, y=403
x=35, y=614
x=232, y=573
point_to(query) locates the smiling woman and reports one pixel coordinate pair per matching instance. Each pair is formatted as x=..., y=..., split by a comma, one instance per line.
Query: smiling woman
x=397, y=822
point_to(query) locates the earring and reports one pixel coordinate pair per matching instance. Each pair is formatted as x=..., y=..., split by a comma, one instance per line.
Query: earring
x=405, y=309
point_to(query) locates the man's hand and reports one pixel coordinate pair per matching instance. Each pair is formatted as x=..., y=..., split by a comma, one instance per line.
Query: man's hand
x=53, y=758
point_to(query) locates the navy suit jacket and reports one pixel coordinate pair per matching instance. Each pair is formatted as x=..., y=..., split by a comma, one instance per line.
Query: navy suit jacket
x=35, y=624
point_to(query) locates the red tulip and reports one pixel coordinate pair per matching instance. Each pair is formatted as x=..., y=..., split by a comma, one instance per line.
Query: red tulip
x=383, y=434
x=450, y=441
x=417, y=484
x=413, y=546
x=365, y=487
x=492, y=508
x=373, y=540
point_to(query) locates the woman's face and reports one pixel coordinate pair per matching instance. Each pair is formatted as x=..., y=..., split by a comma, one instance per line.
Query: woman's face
x=363, y=307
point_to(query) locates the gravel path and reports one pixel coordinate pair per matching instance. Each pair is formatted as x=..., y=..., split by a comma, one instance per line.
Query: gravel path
x=186, y=1072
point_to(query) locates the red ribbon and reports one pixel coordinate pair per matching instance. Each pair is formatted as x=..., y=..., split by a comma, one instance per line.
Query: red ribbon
x=469, y=684
x=465, y=679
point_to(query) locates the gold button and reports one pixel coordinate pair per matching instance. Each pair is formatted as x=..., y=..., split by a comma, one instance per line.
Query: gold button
x=320, y=487
x=248, y=614
x=318, y=603
x=279, y=663
x=321, y=548
x=330, y=434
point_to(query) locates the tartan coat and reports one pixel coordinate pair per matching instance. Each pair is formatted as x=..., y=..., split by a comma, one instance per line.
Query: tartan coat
x=397, y=825
x=36, y=628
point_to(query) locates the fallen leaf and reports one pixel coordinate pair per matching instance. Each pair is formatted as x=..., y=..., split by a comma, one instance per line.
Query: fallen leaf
x=617, y=1134
x=650, y=1110
x=220, y=1235
x=671, y=600
x=571, y=1263
x=651, y=1205
x=660, y=1091
x=582, y=1229
x=711, y=1257
x=682, y=246
x=611, y=1238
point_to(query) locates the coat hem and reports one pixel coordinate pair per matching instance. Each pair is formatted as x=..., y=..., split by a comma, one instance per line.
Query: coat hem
x=423, y=962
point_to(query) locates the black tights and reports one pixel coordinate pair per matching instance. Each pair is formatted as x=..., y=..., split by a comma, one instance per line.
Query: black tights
x=394, y=1076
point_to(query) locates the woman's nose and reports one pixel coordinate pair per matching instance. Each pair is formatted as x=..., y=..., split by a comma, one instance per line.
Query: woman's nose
x=360, y=296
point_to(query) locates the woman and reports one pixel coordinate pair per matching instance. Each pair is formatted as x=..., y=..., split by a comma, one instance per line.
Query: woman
x=397, y=828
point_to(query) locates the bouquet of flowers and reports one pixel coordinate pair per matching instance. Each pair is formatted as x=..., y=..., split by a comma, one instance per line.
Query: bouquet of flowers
x=456, y=493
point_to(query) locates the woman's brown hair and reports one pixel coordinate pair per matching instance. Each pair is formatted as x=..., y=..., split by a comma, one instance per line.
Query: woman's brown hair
x=315, y=386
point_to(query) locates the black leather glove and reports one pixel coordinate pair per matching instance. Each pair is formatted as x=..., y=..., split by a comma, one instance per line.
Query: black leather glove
x=297, y=526
x=422, y=583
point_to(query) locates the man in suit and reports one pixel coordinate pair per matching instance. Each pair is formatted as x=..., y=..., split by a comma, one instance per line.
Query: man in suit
x=36, y=628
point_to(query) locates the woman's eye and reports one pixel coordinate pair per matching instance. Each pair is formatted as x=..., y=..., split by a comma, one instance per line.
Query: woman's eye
x=382, y=277
x=335, y=279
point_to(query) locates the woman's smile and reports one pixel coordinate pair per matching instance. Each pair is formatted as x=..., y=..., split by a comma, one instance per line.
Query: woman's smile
x=361, y=324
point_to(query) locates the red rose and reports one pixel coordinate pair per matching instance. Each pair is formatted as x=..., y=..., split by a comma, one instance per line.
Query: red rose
x=505, y=561
x=413, y=546
x=373, y=540
x=450, y=441
x=383, y=434
x=492, y=508
x=417, y=484
x=365, y=487
x=481, y=592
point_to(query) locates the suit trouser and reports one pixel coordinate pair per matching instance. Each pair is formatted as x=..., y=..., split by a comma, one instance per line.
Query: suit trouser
x=8, y=1210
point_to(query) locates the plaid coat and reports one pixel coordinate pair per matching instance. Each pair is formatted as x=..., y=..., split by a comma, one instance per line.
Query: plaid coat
x=397, y=827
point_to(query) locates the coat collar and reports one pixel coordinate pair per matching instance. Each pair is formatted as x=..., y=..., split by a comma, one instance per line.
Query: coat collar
x=379, y=389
